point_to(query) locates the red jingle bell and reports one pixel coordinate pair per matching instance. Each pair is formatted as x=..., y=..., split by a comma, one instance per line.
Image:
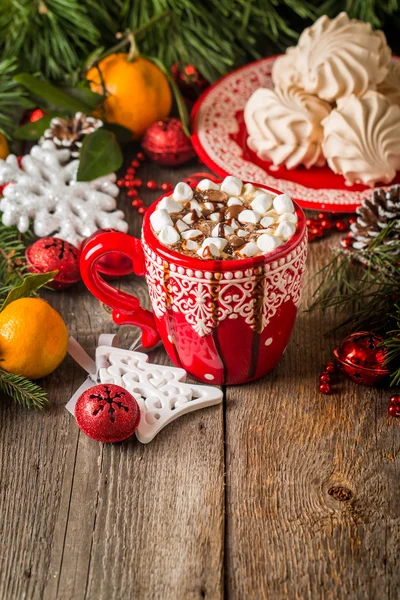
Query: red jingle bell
x=113, y=264
x=362, y=357
x=52, y=254
x=107, y=413
x=166, y=144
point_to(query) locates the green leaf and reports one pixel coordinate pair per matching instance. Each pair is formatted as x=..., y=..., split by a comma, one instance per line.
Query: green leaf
x=51, y=94
x=100, y=155
x=32, y=131
x=123, y=135
x=180, y=103
x=84, y=94
x=30, y=284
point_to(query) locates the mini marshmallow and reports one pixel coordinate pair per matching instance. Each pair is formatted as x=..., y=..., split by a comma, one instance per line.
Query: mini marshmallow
x=272, y=213
x=191, y=234
x=241, y=233
x=267, y=221
x=248, y=188
x=248, y=216
x=216, y=217
x=212, y=248
x=168, y=235
x=160, y=219
x=261, y=203
x=207, y=184
x=267, y=243
x=217, y=241
x=233, y=224
x=191, y=245
x=227, y=231
x=189, y=218
x=170, y=205
x=183, y=192
x=232, y=186
x=283, y=204
x=209, y=205
x=291, y=217
x=234, y=202
x=194, y=205
x=181, y=226
x=250, y=249
x=285, y=230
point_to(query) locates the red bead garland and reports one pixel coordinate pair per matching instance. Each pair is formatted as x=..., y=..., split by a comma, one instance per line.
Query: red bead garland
x=394, y=406
x=324, y=224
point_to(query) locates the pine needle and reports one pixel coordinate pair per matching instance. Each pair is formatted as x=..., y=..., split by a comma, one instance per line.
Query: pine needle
x=22, y=390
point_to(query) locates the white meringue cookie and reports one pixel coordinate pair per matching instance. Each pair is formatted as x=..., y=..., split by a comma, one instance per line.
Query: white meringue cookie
x=390, y=86
x=335, y=58
x=284, y=126
x=362, y=139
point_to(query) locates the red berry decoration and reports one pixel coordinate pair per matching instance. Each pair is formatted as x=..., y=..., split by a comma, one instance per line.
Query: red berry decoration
x=394, y=406
x=341, y=225
x=107, y=413
x=362, y=357
x=325, y=378
x=325, y=388
x=166, y=186
x=52, y=254
x=152, y=185
x=166, y=144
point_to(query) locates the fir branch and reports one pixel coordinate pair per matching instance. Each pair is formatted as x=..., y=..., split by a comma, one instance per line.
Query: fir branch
x=22, y=390
x=12, y=98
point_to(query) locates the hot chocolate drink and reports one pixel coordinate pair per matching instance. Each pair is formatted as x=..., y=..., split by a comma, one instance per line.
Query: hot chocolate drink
x=229, y=221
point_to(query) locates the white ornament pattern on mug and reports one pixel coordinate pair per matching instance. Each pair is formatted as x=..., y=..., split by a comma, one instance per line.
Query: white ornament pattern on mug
x=206, y=298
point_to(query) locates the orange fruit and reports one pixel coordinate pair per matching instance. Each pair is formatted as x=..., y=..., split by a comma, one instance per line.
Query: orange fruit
x=138, y=93
x=33, y=338
x=4, y=150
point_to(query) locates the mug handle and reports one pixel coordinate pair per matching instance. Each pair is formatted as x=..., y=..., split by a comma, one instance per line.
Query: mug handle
x=126, y=308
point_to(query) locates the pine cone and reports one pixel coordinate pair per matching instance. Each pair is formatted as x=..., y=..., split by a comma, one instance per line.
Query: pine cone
x=374, y=215
x=69, y=133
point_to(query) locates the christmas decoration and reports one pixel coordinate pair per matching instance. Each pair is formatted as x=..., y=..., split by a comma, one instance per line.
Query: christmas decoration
x=69, y=133
x=160, y=391
x=4, y=149
x=138, y=93
x=107, y=413
x=190, y=82
x=364, y=287
x=362, y=357
x=12, y=99
x=54, y=254
x=45, y=190
x=373, y=216
x=394, y=406
x=166, y=144
x=325, y=224
x=33, y=338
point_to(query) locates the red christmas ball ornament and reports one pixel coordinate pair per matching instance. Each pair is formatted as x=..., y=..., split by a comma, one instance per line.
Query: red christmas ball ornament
x=190, y=82
x=394, y=406
x=113, y=264
x=107, y=413
x=166, y=144
x=52, y=254
x=362, y=357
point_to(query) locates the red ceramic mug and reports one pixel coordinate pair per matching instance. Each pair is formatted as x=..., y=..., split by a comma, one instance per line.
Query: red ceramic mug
x=224, y=321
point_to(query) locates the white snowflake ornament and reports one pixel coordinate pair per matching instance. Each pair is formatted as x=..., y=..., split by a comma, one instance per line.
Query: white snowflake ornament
x=45, y=191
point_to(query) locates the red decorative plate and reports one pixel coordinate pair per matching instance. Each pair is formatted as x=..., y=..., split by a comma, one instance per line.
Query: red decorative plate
x=219, y=138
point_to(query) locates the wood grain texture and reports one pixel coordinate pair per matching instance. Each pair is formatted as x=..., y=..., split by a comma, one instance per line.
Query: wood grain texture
x=313, y=499
x=81, y=520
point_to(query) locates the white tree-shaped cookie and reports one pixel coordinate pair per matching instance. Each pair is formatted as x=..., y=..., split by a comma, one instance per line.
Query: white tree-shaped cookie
x=161, y=391
x=45, y=190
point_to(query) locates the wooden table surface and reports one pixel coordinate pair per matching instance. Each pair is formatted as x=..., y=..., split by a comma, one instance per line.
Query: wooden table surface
x=279, y=493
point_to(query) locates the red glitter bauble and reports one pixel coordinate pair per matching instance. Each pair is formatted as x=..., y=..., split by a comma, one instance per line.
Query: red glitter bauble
x=113, y=264
x=52, y=254
x=190, y=81
x=107, y=413
x=394, y=406
x=362, y=358
x=165, y=142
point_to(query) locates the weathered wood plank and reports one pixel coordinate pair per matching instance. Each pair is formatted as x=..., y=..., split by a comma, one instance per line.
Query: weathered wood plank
x=85, y=521
x=287, y=446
